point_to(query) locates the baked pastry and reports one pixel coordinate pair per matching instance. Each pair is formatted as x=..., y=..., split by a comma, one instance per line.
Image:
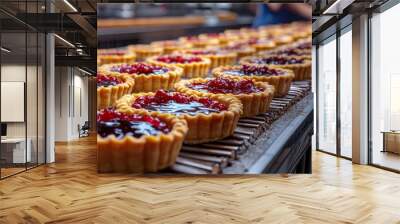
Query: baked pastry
x=169, y=46
x=217, y=57
x=196, y=42
x=260, y=44
x=300, y=66
x=255, y=96
x=134, y=142
x=144, y=51
x=148, y=77
x=281, y=79
x=193, y=66
x=208, y=119
x=220, y=38
x=242, y=50
x=288, y=51
x=111, y=88
x=108, y=56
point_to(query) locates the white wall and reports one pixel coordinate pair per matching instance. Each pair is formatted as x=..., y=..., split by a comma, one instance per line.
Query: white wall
x=70, y=83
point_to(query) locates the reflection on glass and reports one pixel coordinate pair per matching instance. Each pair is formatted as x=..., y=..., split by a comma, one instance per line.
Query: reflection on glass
x=15, y=151
x=327, y=97
x=385, y=84
x=346, y=94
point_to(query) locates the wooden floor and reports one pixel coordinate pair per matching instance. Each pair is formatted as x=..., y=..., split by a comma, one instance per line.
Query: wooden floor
x=70, y=191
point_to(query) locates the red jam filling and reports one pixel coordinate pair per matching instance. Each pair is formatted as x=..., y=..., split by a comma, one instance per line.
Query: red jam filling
x=276, y=60
x=111, y=122
x=225, y=85
x=304, y=46
x=103, y=80
x=178, y=59
x=140, y=68
x=178, y=103
x=254, y=70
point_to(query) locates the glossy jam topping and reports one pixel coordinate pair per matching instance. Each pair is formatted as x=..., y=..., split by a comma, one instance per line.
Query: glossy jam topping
x=289, y=52
x=140, y=68
x=103, y=80
x=254, y=70
x=276, y=60
x=225, y=85
x=183, y=59
x=178, y=103
x=111, y=122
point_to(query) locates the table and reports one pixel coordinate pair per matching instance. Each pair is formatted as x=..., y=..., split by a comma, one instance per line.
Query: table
x=13, y=150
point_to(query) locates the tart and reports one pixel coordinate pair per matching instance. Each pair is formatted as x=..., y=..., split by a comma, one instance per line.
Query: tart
x=217, y=57
x=148, y=77
x=108, y=56
x=255, y=96
x=144, y=51
x=242, y=50
x=288, y=51
x=135, y=142
x=281, y=79
x=300, y=66
x=197, y=42
x=112, y=87
x=169, y=46
x=208, y=119
x=261, y=44
x=193, y=66
x=220, y=38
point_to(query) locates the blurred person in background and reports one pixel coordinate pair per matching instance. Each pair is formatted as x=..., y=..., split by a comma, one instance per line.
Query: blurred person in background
x=275, y=13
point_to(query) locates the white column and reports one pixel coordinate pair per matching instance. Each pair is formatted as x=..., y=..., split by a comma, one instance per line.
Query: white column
x=360, y=90
x=50, y=99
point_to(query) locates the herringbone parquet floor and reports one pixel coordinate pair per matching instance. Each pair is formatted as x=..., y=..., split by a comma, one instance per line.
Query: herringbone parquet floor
x=70, y=191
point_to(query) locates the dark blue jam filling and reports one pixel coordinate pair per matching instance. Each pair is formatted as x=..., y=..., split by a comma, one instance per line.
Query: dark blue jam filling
x=105, y=81
x=191, y=108
x=276, y=60
x=110, y=122
x=254, y=70
x=140, y=68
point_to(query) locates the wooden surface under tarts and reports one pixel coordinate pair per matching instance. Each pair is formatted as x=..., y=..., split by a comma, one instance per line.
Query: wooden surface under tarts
x=71, y=191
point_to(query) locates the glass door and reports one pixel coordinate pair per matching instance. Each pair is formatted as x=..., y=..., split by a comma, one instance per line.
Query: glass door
x=327, y=96
x=385, y=89
x=346, y=72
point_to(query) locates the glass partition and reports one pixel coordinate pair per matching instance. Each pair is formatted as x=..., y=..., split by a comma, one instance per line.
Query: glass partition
x=346, y=93
x=327, y=96
x=385, y=89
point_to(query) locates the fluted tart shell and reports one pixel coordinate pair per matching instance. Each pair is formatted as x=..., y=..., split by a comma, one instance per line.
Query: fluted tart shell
x=149, y=82
x=108, y=95
x=301, y=71
x=253, y=103
x=190, y=70
x=144, y=154
x=281, y=82
x=129, y=57
x=202, y=127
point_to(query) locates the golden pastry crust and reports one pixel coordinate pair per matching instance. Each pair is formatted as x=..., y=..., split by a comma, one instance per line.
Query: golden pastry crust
x=190, y=70
x=149, y=82
x=105, y=56
x=302, y=71
x=218, y=59
x=281, y=51
x=263, y=46
x=108, y=95
x=197, y=42
x=170, y=46
x=144, y=154
x=202, y=127
x=253, y=103
x=144, y=51
x=281, y=82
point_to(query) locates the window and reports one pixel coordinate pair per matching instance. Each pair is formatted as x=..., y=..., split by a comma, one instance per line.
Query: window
x=327, y=96
x=385, y=88
x=346, y=93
